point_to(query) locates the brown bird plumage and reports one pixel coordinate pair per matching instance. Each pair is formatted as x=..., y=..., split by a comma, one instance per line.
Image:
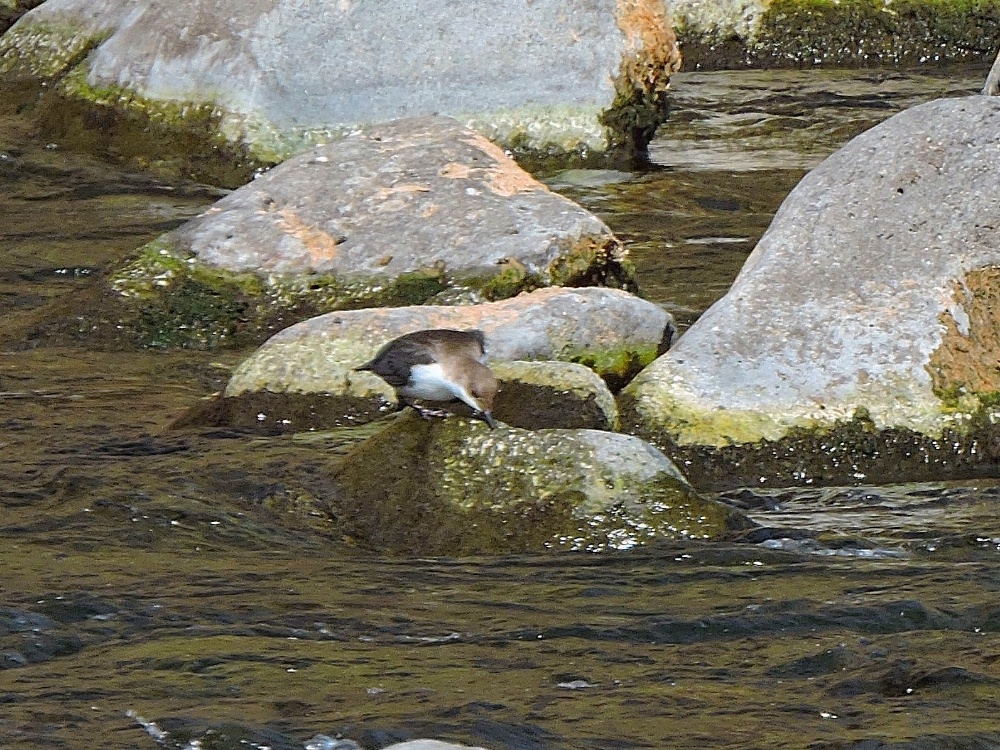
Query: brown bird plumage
x=438, y=364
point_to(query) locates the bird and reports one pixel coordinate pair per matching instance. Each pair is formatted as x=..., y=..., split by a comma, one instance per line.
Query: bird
x=438, y=364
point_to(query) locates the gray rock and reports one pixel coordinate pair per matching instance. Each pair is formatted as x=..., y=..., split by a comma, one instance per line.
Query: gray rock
x=612, y=332
x=550, y=74
x=991, y=86
x=533, y=395
x=456, y=487
x=391, y=214
x=871, y=296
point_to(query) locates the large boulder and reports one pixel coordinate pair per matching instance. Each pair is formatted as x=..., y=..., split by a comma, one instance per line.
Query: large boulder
x=399, y=213
x=869, y=305
x=270, y=77
x=456, y=487
x=612, y=332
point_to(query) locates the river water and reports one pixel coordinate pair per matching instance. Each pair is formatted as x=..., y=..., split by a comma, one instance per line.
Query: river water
x=186, y=589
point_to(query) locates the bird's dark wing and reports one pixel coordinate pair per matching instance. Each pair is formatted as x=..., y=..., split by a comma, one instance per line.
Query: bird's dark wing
x=394, y=360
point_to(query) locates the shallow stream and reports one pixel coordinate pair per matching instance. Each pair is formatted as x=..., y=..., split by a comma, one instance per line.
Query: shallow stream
x=162, y=585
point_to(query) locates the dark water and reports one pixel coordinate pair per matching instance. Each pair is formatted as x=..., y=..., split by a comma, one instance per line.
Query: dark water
x=191, y=581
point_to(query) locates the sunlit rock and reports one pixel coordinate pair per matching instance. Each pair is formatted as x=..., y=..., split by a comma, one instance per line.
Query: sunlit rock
x=533, y=395
x=864, y=326
x=270, y=77
x=402, y=213
x=612, y=332
x=454, y=487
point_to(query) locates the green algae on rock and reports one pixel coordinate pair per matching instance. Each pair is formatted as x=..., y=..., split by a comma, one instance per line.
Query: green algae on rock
x=455, y=487
x=872, y=293
x=836, y=32
x=548, y=76
x=607, y=327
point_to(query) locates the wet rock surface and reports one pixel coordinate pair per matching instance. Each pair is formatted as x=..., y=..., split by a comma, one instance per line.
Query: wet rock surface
x=867, y=302
x=551, y=394
x=792, y=33
x=456, y=487
x=402, y=213
x=533, y=395
x=612, y=332
x=270, y=77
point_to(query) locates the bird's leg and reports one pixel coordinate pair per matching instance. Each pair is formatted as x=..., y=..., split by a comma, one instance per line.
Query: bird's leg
x=423, y=411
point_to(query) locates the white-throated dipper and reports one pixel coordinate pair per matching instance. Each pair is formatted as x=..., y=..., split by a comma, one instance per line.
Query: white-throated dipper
x=438, y=364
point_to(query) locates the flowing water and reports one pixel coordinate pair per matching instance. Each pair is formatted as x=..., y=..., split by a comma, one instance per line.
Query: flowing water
x=187, y=589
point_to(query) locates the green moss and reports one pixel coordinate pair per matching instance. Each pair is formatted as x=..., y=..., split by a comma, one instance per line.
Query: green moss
x=172, y=300
x=616, y=366
x=512, y=279
x=633, y=118
x=847, y=33
x=44, y=49
x=178, y=140
x=456, y=487
x=870, y=32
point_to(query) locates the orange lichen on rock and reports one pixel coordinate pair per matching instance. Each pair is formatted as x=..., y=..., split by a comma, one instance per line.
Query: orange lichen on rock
x=969, y=360
x=505, y=177
x=320, y=245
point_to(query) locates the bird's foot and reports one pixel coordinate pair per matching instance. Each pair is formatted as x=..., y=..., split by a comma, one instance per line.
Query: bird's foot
x=431, y=414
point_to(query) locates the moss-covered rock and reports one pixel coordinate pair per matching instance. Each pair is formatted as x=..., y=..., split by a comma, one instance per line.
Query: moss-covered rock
x=612, y=332
x=277, y=82
x=455, y=487
x=867, y=311
x=835, y=32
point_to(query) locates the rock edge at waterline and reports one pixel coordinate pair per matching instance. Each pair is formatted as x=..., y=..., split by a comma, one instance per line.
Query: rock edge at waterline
x=868, y=307
x=271, y=78
x=456, y=487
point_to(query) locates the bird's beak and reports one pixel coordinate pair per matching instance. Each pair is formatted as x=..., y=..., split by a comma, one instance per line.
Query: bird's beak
x=488, y=418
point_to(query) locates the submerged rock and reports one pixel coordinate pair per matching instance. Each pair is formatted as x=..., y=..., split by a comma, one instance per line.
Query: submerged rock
x=456, y=487
x=865, y=323
x=400, y=213
x=612, y=332
x=272, y=77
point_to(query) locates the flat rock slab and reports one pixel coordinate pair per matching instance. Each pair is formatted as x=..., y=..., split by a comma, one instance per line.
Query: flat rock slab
x=544, y=74
x=392, y=214
x=612, y=332
x=456, y=487
x=872, y=296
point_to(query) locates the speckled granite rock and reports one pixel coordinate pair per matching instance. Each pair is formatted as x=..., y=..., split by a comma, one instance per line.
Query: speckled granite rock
x=398, y=213
x=612, y=332
x=455, y=487
x=272, y=76
x=872, y=297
